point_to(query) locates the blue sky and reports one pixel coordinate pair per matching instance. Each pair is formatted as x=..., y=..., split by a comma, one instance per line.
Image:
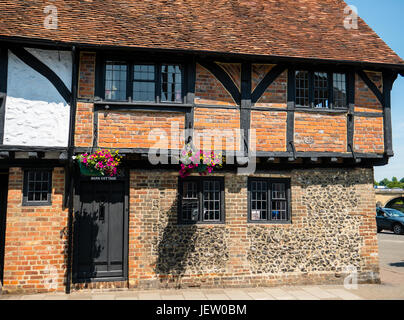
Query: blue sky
x=387, y=20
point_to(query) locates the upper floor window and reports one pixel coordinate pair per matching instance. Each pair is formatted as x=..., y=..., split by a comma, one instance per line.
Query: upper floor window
x=201, y=200
x=269, y=200
x=314, y=89
x=158, y=82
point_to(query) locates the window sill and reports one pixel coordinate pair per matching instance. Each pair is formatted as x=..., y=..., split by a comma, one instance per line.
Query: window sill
x=141, y=106
x=269, y=223
x=140, y=103
x=321, y=110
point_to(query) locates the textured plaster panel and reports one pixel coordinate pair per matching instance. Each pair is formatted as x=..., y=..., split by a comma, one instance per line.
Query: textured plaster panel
x=60, y=62
x=36, y=114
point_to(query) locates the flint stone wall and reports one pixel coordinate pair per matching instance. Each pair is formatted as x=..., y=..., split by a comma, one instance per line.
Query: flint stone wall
x=333, y=232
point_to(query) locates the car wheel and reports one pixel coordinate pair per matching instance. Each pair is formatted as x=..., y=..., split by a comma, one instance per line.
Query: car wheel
x=398, y=228
x=379, y=230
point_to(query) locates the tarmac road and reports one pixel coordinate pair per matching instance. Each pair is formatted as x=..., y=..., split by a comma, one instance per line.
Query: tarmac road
x=391, y=258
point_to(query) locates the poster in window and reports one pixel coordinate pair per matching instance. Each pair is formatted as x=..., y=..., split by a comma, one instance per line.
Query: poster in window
x=255, y=214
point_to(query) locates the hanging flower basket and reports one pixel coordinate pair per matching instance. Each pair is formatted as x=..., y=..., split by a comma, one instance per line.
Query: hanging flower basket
x=198, y=161
x=98, y=164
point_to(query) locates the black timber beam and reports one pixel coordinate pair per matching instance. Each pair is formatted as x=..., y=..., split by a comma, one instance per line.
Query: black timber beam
x=44, y=70
x=223, y=77
x=269, y=78
x=245, y=105
x=3, y=89
x=290, y=120
x=388, y=80
x=371, y=86
x=351, y=110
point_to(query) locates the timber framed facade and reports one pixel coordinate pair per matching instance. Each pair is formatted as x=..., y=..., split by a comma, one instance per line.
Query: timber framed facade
x=314, y=127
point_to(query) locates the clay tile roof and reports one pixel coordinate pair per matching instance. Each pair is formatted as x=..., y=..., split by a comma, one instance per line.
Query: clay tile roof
x=286, y=28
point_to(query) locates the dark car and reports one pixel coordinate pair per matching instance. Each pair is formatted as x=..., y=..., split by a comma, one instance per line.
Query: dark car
x=390, y=219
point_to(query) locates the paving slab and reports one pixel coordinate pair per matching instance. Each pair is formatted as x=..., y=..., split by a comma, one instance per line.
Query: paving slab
x=149, y=296
x=238, y=295
x=103, y=297
x=195, y=295
x=260, y=295
x=279, y=294
x=302, y=295
x=344, y=294
x=319, y=293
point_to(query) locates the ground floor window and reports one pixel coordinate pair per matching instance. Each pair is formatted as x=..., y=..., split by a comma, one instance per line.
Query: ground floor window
x=201, y=200
x=37, y=188
x=269, y=200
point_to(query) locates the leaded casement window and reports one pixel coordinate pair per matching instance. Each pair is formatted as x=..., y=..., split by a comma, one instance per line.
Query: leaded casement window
x=144, y=82
x=37, y=187
x=320, y=90
x=201, y=200
x=269, y=200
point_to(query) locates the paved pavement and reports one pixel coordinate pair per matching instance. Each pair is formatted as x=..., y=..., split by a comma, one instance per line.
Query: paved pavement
x=391, y=253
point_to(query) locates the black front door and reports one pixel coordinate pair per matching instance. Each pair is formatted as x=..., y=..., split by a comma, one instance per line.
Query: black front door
x=3, y=209
x=100, y=230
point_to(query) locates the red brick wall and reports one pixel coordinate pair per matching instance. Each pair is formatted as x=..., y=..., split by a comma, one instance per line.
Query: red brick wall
x=320, y=132
x=36, y=239
x=84, y=113
x=86, y=75
x=216, y=119
x=276, y=94
x=83, y=135
x=234, y=71
x=270, y=128
x=369, y=135
x=131, y=129
x=365, y=99
x=208, y=90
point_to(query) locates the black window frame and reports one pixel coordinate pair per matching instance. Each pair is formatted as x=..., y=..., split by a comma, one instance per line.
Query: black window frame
x=33, y=203
x=269, y=182
x=330, y=88
x=130, y=63
x=200, y=181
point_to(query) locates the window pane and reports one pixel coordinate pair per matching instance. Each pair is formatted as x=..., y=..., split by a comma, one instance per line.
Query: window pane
x=259, y=201
x=171, y=83
x=38, y=186
x=211, y=200
x=115, y=80
x=190, y=201
x=339, y=89
x=279, y=202
x=320, y=90
x=302, y=88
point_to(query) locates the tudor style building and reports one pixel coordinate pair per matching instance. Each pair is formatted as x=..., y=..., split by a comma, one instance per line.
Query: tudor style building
x=307, y=100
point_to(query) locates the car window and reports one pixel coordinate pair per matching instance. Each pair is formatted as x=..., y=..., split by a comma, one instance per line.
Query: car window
x=394, y=213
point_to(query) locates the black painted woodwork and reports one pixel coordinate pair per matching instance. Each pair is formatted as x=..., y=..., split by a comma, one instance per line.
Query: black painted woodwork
x=101, y=231
x=44, y=70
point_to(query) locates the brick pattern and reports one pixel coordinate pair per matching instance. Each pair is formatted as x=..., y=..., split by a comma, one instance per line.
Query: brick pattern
x=365, y=99
x=86, y=75
x=369, y=135
x=258, y=72
x=132, y=130
x=83, y=135
x=233, y=70
x=276, y=94
x=36, y=239
x=209, y=90
x=270, y=128
x=213, y=123
x=320, y=132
